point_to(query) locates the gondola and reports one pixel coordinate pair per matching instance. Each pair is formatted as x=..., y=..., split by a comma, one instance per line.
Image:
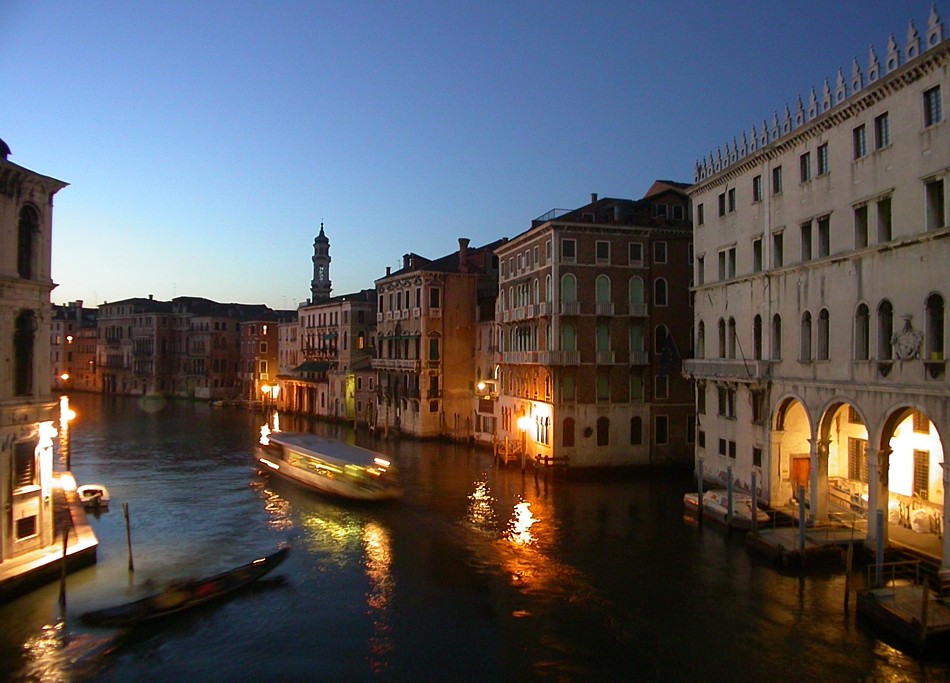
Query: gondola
x=184, y=595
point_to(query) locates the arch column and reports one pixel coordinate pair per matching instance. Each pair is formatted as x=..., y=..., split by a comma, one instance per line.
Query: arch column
x=945, y=549
x=877, y=492
x=818, y=498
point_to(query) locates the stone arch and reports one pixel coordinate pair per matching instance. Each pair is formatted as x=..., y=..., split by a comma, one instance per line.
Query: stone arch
x=791, y=437
x=841, y=468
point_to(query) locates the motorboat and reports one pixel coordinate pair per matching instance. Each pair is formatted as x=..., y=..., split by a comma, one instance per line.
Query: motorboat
x=328, y=466
x=93, y=496
x=716, y=506
x=184, y=595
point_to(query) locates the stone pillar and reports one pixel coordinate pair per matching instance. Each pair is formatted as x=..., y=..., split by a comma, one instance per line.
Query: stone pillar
x=819, y=481
x=945, y=554
x=813, y=469
x=877, y=492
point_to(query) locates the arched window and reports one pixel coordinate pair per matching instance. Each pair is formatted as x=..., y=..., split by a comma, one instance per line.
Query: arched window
x=27, y=237
x=934, y=348
x=636, y=338
x=547, y=288
x=636, y=290
x=568, y=337
x=885, y=330
x=23, y=352
x=823, y=341
x=731, y=338
x=568, y=288
x=603, y=337
x=660, y=292
x=602, y=289
x=536, y=291
x=660, y=337
x=603, y=431
x=757, y=337
x=862, y=333
x=636, y=431
x=567, y=432
x=701, y=340
x=805, y=351
x=776, y=337
x=722, y=338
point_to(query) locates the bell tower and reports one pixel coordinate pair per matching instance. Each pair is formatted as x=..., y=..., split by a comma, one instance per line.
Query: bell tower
x=320, y=285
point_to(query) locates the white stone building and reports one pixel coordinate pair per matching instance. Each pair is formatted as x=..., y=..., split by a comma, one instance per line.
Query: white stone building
x=821, y=246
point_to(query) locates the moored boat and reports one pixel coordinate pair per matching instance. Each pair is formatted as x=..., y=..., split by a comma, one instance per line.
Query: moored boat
x=716, y=506
x=329, y=466
x=184, y=595
x=93, y=496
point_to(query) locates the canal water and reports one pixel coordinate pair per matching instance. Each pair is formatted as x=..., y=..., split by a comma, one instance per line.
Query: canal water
x=479, y=573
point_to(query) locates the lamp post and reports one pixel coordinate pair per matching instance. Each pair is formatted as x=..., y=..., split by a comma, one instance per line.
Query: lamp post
x=524, y=424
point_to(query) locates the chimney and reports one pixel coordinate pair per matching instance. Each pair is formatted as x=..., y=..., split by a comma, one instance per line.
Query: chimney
x=593, y=197
x=151, y=297
x=463, y=254
x=406, y=260
x=388, y=270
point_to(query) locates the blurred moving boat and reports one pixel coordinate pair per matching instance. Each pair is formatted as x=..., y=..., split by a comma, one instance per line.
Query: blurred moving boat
x=93, y=496
x=329, y=466
x=184, y=595
x=716, y=507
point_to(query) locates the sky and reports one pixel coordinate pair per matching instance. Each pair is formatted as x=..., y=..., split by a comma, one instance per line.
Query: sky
x=205, y=142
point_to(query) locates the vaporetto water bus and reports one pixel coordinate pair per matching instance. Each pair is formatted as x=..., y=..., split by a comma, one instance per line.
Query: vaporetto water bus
x=329, y=466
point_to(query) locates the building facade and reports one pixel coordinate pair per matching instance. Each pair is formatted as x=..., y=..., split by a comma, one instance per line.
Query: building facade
x=593, y=314
x=426, y=321
x=27, y=407
x=821, y=242
x=67, y=321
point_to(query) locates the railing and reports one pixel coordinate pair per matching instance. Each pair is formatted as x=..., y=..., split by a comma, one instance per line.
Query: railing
x=638, y=310
x=728, y=368
x=639, y=358
x=395, y=364
x=520, y=357
x=604, y=308
x=570, y=308
x=605, y=358
x=559, y=357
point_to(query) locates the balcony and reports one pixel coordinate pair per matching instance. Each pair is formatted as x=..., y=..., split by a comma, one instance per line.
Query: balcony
x=395, y=364
x=544, y=308
x=604, y=308
x=605, y=358
x=559, y=357
x=570, y=308
x=639, y=358
x=728, y=369
x=520, y=357
x=638, y=310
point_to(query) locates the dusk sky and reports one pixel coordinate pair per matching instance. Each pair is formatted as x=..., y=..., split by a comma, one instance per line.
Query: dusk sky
x=204, y=142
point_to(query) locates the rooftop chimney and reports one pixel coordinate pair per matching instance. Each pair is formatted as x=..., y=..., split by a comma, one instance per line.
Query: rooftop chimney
x=463, y=254
x=388, y=270
x=406, y=260
x=593, y=197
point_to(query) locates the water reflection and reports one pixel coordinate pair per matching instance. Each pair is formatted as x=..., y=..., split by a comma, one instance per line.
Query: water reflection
x=519, y=526
x=481, y=506
x=377, y=554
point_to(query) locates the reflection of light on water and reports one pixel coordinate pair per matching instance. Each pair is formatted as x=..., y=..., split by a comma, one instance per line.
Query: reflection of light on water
x=481, y=512
x=519, y=526
x=277, y=509
x=276, y=421
x=377, y=551
x=55, y=655
x=66, y=414
x=265, y=432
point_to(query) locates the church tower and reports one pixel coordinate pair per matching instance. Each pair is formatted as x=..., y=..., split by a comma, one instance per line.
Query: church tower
x=320, y=285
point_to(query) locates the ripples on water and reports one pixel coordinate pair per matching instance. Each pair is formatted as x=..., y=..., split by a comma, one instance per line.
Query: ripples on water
x=478, y=574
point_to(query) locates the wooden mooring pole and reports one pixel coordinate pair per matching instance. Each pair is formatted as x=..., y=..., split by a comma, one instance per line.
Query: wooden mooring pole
x=62, y=571
x=128, y=534
x=847, y=578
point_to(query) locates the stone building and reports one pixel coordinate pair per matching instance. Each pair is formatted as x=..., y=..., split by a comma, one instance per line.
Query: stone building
x=133, y=352
x=426, y=318
x=257, y=368
x=27, y=407
x=594, y=313
x=820, y=287
x=67, y=321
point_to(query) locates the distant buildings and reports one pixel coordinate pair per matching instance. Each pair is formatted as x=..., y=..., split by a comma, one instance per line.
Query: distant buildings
x=594, y=313
x=820, y=287
x=27, y=407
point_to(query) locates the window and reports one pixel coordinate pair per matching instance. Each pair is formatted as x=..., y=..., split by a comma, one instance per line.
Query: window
x=636, y=290
x=27, y=235
x=433, y=349
x=602, y=251
x=756, y=456
x=659, y=252
x=823, y=341
x=757, y=255
x=932, y=108
x=857, y=459
x=700, y=214
x=757, y=399
x=701, y=270
x=859, y=142
x=568, y=337
x=568, y=251
x=722, y=204
x=823, y=167
x=731, y=339
x=824, y=236
x=659, y=292
x=435, y=297
x=603, y=337
x=567, y=432
x=935, y=315
x=778, y=250
x=661, y=429
x=921, y=474
x=885, y=330
x=862, y=331
x=603, y=431
x=568, y=288
x=660, y=336
x=727, y=401
x=884, y=229
x=757, y=189
x=806, y=241
x=722, y=338
x=757, y=337
x=603, y=386
x=804, y=165
x=635, y=253
x=777, y=180
x=805, y=351
x=882, y=131
x=23, y=353
x=636, y=431
x=776, y=337
x=731, y=199
x=636, y=387
x=568, y=388
x=701, y=398
x=861, y=226
x=24, y=464
x=936, y=206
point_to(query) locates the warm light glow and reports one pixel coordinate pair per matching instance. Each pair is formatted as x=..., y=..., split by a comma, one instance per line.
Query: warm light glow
x=44, y=449
x=66, y=414
x=270, y=390
x=382, y=462
x=265, y=432
x=519, y=527
x=272, y=465
x=64, y=376
x=481, y=386
x=276, y=422
x=524, y=423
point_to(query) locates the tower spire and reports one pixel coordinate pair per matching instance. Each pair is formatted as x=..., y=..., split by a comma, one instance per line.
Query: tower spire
x=320, y=285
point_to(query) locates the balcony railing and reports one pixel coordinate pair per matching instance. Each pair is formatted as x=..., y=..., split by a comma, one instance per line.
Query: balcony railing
x=604, y=308
x=728, y=368
x=559, y=357
x=639, y=358
x=605, y=357
x=638, y=310
x=570, y=308
x=395, y=364
x=520, y=357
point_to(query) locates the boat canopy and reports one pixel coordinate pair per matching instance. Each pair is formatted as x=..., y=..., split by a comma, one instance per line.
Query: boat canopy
x=330, y=450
